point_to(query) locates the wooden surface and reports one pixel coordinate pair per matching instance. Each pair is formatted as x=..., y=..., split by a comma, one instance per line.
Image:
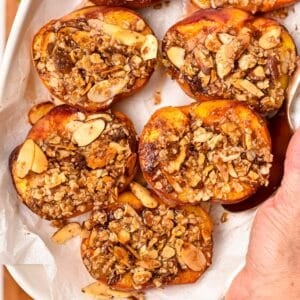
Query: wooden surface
x=11, y=8
x=11, y=289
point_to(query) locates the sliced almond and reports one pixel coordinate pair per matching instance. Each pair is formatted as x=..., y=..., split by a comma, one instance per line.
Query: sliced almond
x=193, y=257
x=271, y=38
x=88, y=132
x=38, y=111
x=226, y=38
x=143, y=195
x=105, y=117
x=247, y=61
x=40, y=162
x=129, y=38
x=74, y=125
x=105, y=90
x=149, y=263
x=249, y=87
x=176, y=56
x=225, y=59
x=100, y=289
x=25, y=158
x=149, y=47
x=66, y=233
x=123, y=36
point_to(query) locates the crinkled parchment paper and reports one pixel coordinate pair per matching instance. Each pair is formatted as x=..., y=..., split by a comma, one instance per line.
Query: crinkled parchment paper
x=25, y=238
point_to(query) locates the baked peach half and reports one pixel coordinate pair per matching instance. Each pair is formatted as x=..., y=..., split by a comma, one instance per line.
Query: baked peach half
x=95, y=56
x=251, y=6
x=216, y=150
x=229, y=54
x=126, y=3
x=142, y=243
x=72, y=161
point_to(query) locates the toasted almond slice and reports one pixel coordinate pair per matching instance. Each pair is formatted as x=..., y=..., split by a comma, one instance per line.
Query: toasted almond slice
x=193, y=257
x=249, y=87
x=74, y=125
x=66, y=233
x=25, y=158
x=225, y=59
x=123, y=36
x=40, y=162
x=105, y=90
x=149, y=47
x=149, y=263
x=100, y=289
x=226, y=38
x=271, y=38
x=105, y=117
x=38, y=111
x=88, y=132
x=176, y=56
x=129, y=38
x=143, y=195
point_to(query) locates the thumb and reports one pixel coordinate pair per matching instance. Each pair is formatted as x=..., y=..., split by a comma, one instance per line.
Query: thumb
x=290, y=187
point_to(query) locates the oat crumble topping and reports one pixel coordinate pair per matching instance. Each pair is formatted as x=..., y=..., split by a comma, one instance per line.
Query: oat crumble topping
x=249, y=64
x=251, y=5
x=201, y=162
x=87, y=62
x=78, y=177
x=152, y=246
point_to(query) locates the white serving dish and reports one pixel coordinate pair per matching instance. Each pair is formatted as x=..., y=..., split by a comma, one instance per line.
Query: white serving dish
x=62, y=275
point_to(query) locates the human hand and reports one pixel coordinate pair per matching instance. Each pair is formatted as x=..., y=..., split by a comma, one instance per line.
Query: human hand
x=272, y=269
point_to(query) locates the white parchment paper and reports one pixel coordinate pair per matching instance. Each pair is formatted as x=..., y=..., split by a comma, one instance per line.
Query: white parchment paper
x=25, y=238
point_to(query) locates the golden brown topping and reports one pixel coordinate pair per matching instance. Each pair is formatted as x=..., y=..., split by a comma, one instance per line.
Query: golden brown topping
x=228, y=54
x=127, y=3
x=72, y=160
x=216, y=150
x=163, y=243
x=249, y=5
x=95, y=56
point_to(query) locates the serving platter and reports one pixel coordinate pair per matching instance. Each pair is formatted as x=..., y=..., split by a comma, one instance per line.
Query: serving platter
x=25, y=239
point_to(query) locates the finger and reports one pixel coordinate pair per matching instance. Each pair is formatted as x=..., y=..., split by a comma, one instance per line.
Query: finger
x=238, y=289
x=291, y=180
